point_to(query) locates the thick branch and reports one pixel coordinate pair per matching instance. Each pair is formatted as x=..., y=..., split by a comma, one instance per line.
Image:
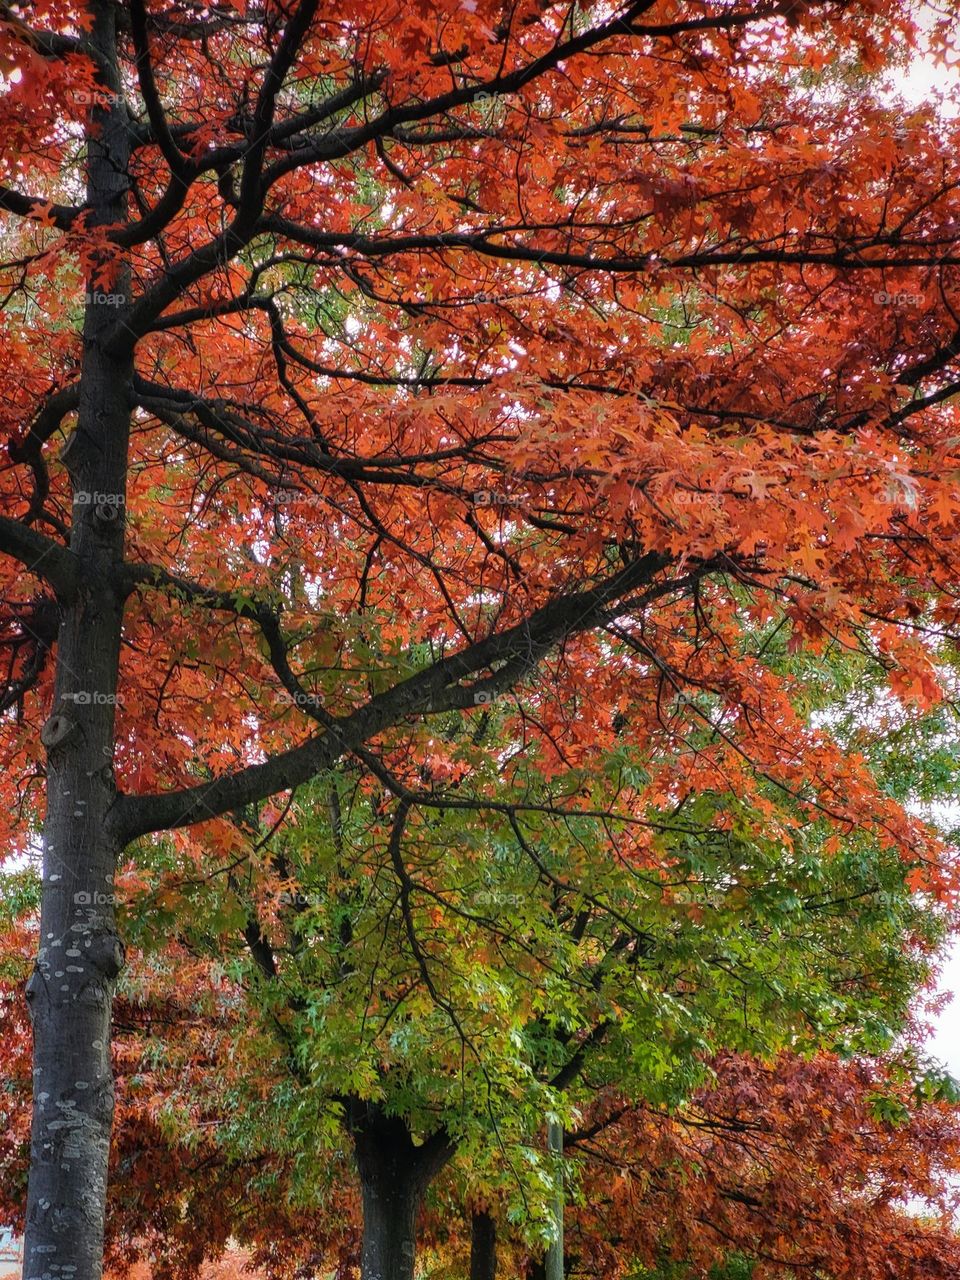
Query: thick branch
x=840, y=256
x=61, y=216
x=41, y=556
x=180, y=166
x=438, y=687
x=29, y=449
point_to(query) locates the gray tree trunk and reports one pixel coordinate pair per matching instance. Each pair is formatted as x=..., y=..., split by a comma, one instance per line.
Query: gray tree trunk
x=70, y=991
x=553, y=1261
x=394, y=1174
x=391, y=1200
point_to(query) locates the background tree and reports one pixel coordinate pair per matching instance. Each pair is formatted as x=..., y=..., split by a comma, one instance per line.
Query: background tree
x=451, y=983
x=803, y=1166
x=505, y=224
x=443, y=969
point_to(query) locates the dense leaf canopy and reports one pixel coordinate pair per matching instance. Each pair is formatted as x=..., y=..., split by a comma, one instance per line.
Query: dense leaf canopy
x=481, y=490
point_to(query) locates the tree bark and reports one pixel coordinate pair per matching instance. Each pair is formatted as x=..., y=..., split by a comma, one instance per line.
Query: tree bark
x=390, y=1203
x=80, y=954
x=483, y=1247
x=553, y=1261
x=394, y=1174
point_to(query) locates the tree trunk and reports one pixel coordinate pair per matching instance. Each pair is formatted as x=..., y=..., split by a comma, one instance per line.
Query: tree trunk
x=79, y=956
x=391, y=1199
x=553, y=1261
x=394, y=1174
x=483, y=1247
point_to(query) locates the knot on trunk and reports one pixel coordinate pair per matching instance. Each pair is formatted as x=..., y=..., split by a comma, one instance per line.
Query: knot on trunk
x=56, y=731
x=106, y=953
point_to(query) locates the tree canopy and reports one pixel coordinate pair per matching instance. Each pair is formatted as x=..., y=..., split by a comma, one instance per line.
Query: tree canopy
x=451, y=412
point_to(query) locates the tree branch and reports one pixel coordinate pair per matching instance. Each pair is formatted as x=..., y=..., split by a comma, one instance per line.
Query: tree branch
x=61, y=216
x=436, y=688
x=54, y=563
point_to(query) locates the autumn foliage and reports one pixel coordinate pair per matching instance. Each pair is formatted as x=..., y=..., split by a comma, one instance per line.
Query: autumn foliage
x=489, y=334
x=464, y=448
x=790, y=1165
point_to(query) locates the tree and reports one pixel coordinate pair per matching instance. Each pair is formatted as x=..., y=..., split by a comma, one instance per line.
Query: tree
x=447, y=980
x=362, y=364
x=799, y=1167
x=837, y=1168
x=442, y=978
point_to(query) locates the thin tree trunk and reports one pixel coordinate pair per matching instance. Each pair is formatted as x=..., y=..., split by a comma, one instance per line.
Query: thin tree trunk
x=394, y=1174
x=483, y=1247
x=71, y=989
x=553, y=1262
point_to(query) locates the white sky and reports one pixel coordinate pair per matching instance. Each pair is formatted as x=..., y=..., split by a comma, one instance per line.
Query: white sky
x=945, y=1042
x=922, y=81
